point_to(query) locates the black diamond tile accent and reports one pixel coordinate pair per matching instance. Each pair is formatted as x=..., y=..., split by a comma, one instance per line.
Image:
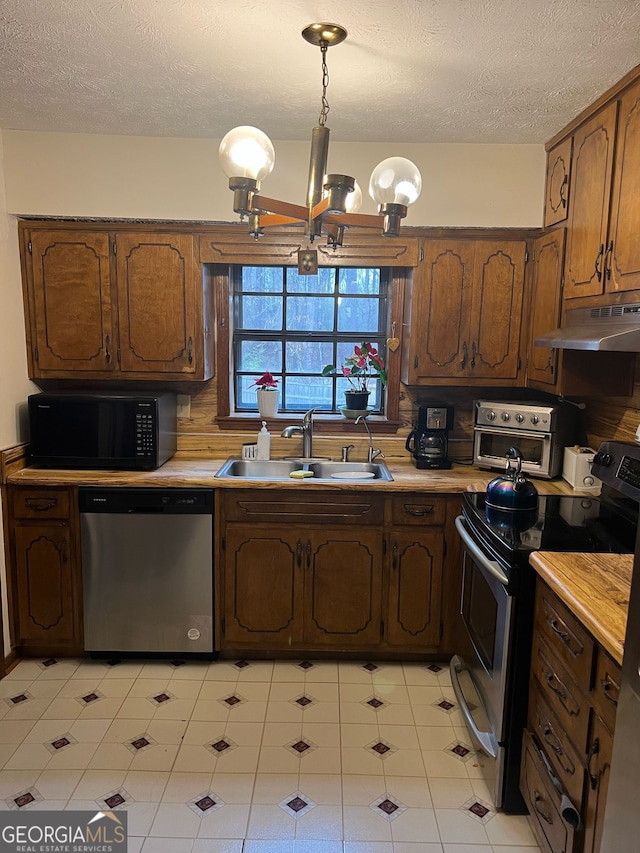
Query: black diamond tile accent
x=90, y=697
x=303, y=701
x=446, y=705
x=461, y=750
x=161, y=697
x=24, y=799
x=297, y=804
x=140, y=743
x=19, y=698
x=370, y=667
x=305, y=664
x=220, y=745
x=380, y=748
x=232, y=700
x=49, y=662
x=375, y=702
x=388, y=807
x=205, y=803
x=62, y=741
x=241, y=664
x=115, y=800
x=434, y=668
x=300, y=746
x=479, y=810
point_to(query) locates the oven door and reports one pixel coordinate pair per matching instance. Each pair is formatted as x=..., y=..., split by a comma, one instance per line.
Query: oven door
x=490, y=446
x=479, y=678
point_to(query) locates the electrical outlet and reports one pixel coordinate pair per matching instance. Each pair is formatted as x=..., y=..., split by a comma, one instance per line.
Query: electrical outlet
x=184, y=406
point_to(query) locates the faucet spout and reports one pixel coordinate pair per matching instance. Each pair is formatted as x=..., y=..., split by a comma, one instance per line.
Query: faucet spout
x=305, y=430
x=373, y=454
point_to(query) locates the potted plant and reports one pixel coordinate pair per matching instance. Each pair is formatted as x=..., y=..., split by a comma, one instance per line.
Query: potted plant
x=364, y=364
x=267, y=394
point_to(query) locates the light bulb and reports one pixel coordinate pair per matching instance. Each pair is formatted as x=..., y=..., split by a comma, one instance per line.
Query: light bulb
x=354, y=199
x=246, y=152
x=395, y=180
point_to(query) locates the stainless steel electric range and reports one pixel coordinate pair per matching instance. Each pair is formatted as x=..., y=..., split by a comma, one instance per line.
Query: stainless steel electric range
x=491, y=673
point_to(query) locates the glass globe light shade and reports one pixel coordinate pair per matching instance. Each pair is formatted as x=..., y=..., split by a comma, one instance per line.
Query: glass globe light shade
x=395, y=180
x=246, y=152
x=354, y=199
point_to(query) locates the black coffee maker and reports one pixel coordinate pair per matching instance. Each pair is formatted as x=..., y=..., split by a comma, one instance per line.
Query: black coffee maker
x=428, y=440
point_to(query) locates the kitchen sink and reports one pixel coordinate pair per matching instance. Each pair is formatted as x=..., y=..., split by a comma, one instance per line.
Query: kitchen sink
x=281, y=469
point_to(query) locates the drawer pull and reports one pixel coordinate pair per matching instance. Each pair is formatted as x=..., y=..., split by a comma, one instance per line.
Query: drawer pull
x=553, y=741
x=41, y=504
x=538, y=798
x=309, y=554
x=606, y=687
x=419, y=512
x=550, y=677
x=595, y=749
x=299, y=553
x=562, y=635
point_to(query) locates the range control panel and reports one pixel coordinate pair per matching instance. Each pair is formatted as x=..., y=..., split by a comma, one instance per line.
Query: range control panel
x=617, y=463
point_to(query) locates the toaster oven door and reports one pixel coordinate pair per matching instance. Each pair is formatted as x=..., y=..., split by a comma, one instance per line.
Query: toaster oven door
x=490, y=446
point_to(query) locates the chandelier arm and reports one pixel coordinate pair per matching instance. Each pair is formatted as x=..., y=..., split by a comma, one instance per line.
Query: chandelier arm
x=267, y=220
x=364, y=220
x=320, y=208
x=263, y=204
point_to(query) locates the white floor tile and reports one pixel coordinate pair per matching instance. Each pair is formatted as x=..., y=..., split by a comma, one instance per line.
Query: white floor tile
x=228, y=822
x=456, y=827
x=361, y=824
x=167, y=845
x=510, y=829
x=175, y=820
x=321, y=823
x=415, y=824
x=270, y=822
x=217, y=845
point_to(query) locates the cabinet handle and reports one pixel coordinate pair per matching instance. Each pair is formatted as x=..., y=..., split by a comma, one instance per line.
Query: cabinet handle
x=419, y=512
x=473, y=353
x=553, y=741
x=63, y=550
x=607, y=260
x=394, y=559
x=190, y=350
x=606, y=687
x=463, y=363
x=550, y=677
x=563, y=194
x=538, y=798
x=309, y=554
x=595, y=749
x=107, y=351
x=41, y=504
x=299, y=553
x=562, y=635
x=598, y=263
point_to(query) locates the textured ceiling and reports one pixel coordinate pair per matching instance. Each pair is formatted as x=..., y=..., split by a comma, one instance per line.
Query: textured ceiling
x=410, y=70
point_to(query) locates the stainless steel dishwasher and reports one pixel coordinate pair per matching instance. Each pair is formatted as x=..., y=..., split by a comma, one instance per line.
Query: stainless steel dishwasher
x=147, y=569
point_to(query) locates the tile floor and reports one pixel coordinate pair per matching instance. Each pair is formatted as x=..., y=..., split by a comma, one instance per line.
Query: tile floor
x=253, y=756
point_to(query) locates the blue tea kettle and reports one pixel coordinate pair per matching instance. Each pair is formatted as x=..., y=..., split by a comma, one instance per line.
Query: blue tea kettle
x=513, y=492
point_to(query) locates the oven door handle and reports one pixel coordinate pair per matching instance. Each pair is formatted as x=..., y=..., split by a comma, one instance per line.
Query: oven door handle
x=487, y=740
x=491, y=566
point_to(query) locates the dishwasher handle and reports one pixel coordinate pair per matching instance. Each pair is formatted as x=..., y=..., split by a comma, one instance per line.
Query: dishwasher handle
x=145, y=501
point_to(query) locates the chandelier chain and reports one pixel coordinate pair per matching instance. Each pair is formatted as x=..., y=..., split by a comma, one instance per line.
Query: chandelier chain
x=324, y=111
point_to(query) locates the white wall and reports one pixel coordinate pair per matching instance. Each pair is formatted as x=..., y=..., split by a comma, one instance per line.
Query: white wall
x=14, y=385
x=58, y=174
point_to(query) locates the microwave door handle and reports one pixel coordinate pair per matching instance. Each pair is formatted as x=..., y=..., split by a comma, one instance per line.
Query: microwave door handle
x=490, y=566
x=487, y=740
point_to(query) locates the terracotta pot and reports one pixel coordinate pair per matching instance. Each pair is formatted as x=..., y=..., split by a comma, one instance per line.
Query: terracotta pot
x=267, y=402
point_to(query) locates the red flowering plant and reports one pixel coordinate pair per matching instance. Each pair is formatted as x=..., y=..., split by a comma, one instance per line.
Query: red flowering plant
x=265, y=382
x=364, y=364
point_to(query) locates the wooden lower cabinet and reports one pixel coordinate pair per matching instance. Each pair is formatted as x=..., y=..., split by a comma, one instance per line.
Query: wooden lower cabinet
x=45, y=571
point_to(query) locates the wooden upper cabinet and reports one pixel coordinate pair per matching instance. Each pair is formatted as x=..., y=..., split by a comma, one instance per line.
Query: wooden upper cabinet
x=592, y=170
x=622, y=266
x=464, y=313
x=548, y=255
x=156, y=303
x=70, y=312
x=556, y=198
x=116, y=305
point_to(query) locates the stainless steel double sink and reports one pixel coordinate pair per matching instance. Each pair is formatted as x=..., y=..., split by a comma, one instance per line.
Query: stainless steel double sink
x=320, y=469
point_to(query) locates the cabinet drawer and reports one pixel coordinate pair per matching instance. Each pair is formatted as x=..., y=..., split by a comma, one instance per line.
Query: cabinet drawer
x=41, y=503
x=418, y=510
x=285, y=506
x=606, y=689
x=562, y=695
x=565, y=760
x=544, y=801
x=566, y=637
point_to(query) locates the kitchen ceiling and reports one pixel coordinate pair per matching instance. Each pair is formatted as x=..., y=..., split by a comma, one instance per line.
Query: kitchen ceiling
x=490, y=71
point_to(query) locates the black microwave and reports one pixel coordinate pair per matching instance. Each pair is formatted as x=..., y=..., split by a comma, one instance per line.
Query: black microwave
x=117, y=431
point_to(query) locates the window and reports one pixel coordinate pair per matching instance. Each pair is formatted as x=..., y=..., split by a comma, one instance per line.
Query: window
x=293, y=325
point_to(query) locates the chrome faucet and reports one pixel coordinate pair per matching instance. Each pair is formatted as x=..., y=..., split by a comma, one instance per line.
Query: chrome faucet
x=372, y=455
x=305, y=430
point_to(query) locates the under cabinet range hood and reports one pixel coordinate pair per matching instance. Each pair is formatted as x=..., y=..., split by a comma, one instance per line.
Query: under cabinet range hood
x=612, y=328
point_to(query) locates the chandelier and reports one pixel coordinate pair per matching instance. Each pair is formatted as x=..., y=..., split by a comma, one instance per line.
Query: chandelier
x=247, y=157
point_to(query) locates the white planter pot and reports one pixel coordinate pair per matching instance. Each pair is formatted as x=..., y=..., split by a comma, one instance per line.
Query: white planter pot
x=267, y=402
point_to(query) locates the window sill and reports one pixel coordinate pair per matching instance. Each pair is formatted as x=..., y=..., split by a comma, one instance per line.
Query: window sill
x=323, y=424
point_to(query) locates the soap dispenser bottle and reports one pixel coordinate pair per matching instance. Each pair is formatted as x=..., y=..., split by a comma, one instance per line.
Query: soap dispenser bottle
x=264, y=442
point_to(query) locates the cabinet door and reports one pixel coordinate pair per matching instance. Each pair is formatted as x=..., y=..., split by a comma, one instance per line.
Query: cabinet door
x=157, y=303
x=598, y=773
x=496, y=320
x=44, y=585
x=343, y=588
x=262, y=588
x=623, y=249
x=556, y=198
x=440, y=316
x=589, y=206
x=415, y=589
x=71, y=311
x=547, y=292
